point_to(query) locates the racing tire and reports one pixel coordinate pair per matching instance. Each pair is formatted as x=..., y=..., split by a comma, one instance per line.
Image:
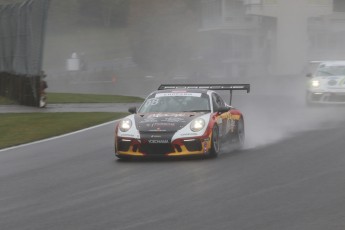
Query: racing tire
x=240, y=134
x=215, y=142
x=308, y=100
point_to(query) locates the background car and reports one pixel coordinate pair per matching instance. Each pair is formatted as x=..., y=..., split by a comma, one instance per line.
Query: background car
x=181, y=120
x=327, y=83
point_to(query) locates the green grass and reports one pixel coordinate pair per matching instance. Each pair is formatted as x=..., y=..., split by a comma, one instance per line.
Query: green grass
x=23, y=128
x=16, y=129
x=56, y=98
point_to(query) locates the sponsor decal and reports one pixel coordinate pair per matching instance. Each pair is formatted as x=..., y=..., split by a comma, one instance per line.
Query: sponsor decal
x=219, y=121
x=127, y=135
x=332, y=82
x=237, y=87
x=178, y=94
x=205, y=147
x=158, y=141
x=155, y=125
x=149, y=120
x=174, y=119
x=157, y=115
x=157, y=129
x=232, y=125
x=189, y=134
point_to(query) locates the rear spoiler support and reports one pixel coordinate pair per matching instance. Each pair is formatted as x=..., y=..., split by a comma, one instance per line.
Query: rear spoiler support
x=229, y=87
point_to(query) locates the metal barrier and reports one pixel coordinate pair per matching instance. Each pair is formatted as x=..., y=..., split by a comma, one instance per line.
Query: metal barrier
x=22, y=28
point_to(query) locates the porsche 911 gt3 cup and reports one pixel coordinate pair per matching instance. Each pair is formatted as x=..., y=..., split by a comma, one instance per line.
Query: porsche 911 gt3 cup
x=181, y=120
x=327, y=84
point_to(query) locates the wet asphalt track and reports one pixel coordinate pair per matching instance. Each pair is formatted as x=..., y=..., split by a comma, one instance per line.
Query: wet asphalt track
x=291, y=176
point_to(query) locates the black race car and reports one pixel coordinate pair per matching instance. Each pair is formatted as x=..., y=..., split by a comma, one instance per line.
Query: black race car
x=181, y=120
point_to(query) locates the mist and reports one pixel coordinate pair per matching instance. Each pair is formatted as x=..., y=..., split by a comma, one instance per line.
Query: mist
x=131, y=47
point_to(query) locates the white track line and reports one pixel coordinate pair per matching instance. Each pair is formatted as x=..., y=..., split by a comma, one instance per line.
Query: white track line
x=57, y=137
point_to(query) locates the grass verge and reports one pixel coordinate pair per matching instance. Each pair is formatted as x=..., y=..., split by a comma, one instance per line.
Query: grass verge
x=23, y=128
x=56, y=98
x=61, y=98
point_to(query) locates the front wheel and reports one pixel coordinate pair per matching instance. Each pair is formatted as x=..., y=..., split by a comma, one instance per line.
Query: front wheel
x=309, y=102
x=215, y=142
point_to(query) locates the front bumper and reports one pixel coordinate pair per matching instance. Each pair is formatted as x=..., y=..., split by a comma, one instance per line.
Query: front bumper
x=326, y=97
x=179, y=147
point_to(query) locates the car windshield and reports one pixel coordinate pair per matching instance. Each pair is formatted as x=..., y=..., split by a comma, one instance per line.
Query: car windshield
x=176, y=102
x=330, y=71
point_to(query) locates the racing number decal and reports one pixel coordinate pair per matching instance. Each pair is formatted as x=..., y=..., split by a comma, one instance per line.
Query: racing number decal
x=152, y=101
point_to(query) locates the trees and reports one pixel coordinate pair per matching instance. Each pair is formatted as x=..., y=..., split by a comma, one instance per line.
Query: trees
x=163, y=34
x=64, y=15
x=104, y=12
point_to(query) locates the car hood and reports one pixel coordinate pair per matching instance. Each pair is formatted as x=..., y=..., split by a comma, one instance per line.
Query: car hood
x=163, y=122
x=332, y=81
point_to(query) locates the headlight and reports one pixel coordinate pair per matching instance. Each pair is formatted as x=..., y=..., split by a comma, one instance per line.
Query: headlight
x=315, y=83
x=197, y=124
x=125, y=125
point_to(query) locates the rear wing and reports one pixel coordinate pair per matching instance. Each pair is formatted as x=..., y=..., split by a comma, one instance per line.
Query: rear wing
x=229, y=87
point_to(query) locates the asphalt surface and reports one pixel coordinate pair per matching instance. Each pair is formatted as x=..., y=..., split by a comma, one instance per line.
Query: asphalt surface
x=290, y=176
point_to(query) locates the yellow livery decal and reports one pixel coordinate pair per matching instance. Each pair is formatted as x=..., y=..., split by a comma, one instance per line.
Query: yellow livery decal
x=342, y=82
x=235, y=117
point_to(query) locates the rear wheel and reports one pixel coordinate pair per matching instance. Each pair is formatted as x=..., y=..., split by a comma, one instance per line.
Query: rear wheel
x=215, y=142
x=240, y=134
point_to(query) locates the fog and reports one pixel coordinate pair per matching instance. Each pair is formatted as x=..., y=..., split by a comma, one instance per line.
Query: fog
x=131, y=47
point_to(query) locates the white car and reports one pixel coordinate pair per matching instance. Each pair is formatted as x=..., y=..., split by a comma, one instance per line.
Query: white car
x=327, y=83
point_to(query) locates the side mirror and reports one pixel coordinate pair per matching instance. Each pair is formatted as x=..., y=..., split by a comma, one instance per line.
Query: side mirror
x=309, y=75
x=223, y=109
x=132, y=110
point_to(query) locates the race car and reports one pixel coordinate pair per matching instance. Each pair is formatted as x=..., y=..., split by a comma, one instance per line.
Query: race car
x=181, y=120
x=327, y=84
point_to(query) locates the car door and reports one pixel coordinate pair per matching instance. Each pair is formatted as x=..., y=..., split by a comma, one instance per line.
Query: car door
x=223, y=118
